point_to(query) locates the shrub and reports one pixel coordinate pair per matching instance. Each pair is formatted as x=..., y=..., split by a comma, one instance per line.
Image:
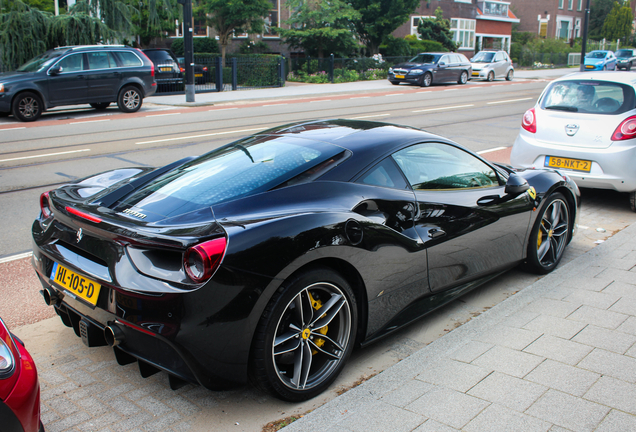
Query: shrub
x=199, y=45
x=394, y=47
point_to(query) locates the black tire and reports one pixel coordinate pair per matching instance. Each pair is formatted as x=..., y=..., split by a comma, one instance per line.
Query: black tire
x=289, y=330
x=549, y=236
x=604, y=67
x=629, y=66
x=100, y=106
x=426, y=80
x=395, y=82
x=632, y=201
x=510, y=75
x=463, y=78
x=491, y=76
x=27, y=107
x=130, y=99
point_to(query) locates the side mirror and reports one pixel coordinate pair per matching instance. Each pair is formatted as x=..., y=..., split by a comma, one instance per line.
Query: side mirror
x=516, y=185
x=55, y=70
x=442, y=64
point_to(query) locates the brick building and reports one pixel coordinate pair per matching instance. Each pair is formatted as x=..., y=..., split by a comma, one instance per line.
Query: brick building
x=475, y=24
x=561, y=19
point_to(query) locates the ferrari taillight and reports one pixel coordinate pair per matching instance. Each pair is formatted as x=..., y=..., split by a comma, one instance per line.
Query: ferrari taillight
x=529, y=121
x=83, y=215
x=626, y=130
x=202, y=260
x=45, y=206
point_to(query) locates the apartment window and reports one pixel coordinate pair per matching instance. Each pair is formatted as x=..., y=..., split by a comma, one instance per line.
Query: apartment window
x=463, y=32
x=560, y=4
x=272, y=20
x=580, y=5
x=570, y=4
x=415, y=22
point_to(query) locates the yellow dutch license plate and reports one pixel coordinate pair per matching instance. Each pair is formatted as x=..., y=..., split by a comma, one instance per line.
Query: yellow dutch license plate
x=80, y=286
x=400, y=76
x=475, y=73
x=166, y=69
x=566, y=163
x=589, y=67
x=198, y=75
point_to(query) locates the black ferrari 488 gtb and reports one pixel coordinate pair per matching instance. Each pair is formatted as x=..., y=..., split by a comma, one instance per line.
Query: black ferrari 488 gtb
x=271, y=257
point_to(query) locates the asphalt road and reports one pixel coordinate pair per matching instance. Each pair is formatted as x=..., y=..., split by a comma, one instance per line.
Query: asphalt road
x=66, y=145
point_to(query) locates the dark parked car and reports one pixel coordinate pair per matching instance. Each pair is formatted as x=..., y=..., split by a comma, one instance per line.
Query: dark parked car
x=274, y=255
x=201, y=72
x=97, y=75
x=626, y=58
x=19, y=386
x=427, y=68
x=168, y=73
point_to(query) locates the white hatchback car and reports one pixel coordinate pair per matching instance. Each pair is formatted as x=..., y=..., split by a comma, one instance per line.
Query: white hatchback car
x=489, y=64
x=584, y=124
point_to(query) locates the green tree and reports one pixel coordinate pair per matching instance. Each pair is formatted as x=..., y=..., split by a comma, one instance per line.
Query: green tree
x=618, y=24
x=236, y=16
x=598, y=12
x=379, y=18
x=438, y=30
x=321, y=26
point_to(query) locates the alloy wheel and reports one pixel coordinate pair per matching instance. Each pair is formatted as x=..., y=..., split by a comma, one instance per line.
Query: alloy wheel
x=29, y=107
x=131, y=99
x=553, y=233
x=312, y=336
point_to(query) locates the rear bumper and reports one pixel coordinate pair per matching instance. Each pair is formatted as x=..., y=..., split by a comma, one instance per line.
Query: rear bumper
x=612, y=167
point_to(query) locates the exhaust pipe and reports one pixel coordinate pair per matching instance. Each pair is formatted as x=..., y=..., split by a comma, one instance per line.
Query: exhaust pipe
x=51, y=297
x=113, y=335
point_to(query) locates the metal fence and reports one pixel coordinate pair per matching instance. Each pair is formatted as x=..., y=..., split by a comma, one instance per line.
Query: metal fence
x=331, y=69
x=238, y=73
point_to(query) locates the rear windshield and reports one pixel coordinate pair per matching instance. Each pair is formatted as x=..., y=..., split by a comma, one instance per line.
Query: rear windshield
x=425, y=58
x=246, y=167
x=596, y=97
x=160, y=56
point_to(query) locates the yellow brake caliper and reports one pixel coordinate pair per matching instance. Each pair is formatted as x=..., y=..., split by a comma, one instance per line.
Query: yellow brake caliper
x=317, y=304
x=539, y=238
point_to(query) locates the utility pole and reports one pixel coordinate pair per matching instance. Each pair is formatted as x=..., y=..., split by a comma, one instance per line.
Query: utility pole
x=188, y=48
x=586, y=21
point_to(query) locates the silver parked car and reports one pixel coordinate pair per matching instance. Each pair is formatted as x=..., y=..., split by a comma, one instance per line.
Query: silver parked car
x=489, y=64
x=585, y=125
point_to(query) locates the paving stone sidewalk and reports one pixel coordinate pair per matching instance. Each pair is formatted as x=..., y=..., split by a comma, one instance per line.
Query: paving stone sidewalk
x=558, y=356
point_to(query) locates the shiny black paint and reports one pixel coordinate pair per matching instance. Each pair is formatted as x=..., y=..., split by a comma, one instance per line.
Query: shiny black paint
x=382, y=240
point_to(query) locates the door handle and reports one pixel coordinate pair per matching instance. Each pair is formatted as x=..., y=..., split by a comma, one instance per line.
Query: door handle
x=436, y=232
x=487, y=200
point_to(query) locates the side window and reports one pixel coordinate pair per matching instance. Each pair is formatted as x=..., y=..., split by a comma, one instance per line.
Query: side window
x=72, y=63
x=101, y=60
x=445, y=59
x=499, y=57
x=384, y=174
x=129, y=59
x=437, y=166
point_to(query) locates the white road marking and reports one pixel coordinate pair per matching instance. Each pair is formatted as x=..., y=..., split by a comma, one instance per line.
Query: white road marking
x=162, y=115
x=223, y=109
x=274, y=105
x=198, y=136
x=492, y=150
x=369, y=116
x=508, y=101
x=12, y=128
x=443, y=108
x=44, y=155
x=90, y=121
x=15, y=257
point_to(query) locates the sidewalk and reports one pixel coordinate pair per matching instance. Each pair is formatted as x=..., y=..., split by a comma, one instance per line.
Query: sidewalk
x=560, y=355
x=294, y=90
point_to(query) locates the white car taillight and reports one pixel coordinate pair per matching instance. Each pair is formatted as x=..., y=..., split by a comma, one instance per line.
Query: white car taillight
x=626, y=130
x=529, y=121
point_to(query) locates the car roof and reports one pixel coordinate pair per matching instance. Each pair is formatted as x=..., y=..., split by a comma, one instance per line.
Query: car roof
x=79, y=47
x=607, y=76
x=367, y=140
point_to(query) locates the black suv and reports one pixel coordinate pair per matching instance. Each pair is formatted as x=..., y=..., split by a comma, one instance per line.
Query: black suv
x=97, y=75
x=167, y=70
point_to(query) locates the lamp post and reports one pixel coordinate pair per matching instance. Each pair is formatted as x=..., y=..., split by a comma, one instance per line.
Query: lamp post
x=586, y=21
x=189, y=51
